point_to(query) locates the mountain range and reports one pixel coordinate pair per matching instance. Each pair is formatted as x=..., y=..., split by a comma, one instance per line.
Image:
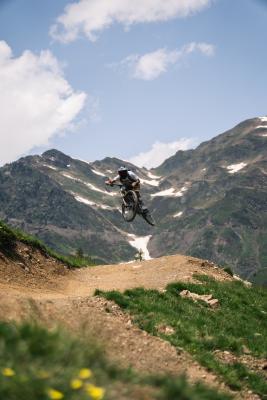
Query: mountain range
x=209, y=202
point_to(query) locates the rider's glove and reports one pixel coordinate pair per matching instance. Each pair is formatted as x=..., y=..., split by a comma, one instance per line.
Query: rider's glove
x=110, y=182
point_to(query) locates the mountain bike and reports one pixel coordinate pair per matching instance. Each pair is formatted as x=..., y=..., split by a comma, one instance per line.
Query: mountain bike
x=130, y=206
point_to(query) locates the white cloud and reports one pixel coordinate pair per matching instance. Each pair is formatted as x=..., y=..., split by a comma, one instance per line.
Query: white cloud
x=160, y=152
x=151, y=65
x=36, y=101
x=206, y=49
x=90, y=17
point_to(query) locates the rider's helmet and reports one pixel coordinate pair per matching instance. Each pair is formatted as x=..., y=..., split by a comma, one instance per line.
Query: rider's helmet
x=123, y=171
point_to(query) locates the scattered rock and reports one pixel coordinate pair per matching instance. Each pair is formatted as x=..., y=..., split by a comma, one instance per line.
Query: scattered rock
x=179, y=350
x=207, y=298
x=245, y=349
x=165, y=329
x=129, y=324
x=246, y=283
x=21, y=264
x=214, y=303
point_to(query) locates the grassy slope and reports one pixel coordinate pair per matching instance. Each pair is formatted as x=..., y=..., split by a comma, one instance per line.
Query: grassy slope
x=239, y=323
x=34, y=361
x=9, y=237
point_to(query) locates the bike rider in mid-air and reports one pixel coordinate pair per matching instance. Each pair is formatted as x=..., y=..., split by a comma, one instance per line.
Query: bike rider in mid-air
x=130, y=181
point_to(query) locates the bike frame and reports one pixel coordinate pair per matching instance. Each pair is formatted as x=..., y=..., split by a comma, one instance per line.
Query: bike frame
x=122, y=191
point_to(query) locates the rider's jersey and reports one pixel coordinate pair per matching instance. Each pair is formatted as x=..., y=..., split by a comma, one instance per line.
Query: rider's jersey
x=130, y=178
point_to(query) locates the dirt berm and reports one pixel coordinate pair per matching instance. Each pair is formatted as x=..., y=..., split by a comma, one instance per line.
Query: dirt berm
x=38, y=287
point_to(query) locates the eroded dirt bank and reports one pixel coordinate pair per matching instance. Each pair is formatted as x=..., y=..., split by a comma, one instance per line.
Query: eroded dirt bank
x=37, y=287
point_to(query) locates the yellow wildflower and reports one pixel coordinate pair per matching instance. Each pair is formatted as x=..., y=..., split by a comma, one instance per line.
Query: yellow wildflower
x=95, y=392
x=85, y=373
x=8, y=372
x=55, y=394
x=76, y=384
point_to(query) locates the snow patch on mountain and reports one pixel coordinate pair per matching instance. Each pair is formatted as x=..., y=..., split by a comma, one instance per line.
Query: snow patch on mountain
x=170, y=192
x=90, y=185
x=167, y=192
x=96, y=189
x=50, y=166
x=98, y=172
x=51, y=158
x=178, y=214
x=140, y=242
x=261, y=127
x=263, y=119
x=85, y=201
x=233, y=168
x=91, y=203
x=86, y=162
x=152, y=182
x=180, y=193
x=69, y=176
x=152, y=176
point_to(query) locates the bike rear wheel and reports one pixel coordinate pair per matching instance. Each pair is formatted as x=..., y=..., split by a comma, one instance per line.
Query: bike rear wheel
x=129, y=206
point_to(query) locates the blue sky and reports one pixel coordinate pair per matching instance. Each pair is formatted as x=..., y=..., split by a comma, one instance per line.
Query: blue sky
x=116, y=110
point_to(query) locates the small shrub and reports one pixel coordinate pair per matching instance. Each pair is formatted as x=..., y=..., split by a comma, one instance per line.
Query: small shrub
x=7, y=239
x=228, y=271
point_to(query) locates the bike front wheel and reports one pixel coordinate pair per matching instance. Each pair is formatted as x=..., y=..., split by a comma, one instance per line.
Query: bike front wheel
x=129, y=206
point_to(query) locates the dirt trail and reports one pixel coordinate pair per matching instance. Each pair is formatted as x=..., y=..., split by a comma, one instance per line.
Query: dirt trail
x=154, y=274
x=51, y=294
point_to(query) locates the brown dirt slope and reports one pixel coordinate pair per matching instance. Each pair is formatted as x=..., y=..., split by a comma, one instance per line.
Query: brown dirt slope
x=36, y=286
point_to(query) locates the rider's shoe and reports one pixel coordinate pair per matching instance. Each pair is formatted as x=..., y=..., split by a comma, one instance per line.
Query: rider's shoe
x=145, y=210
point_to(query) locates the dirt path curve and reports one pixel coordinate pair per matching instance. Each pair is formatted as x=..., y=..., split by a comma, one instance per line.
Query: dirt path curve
x=53, y=295
x=155, y=274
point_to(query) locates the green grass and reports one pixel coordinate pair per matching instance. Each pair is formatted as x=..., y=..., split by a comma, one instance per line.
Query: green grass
x=201, y=330
x=41, y=360
x=9, y=237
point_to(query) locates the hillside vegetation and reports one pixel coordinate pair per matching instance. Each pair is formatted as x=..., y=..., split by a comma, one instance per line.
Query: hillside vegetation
x=9, y=239
x=209, y=202
x=229, y=340
x=182, y=349
x=38, y=364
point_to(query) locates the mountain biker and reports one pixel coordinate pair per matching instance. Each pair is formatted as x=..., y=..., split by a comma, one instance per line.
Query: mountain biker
x=130, y=181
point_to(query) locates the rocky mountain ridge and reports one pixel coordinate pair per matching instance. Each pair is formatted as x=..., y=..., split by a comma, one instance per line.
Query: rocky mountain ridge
x=210, y=202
